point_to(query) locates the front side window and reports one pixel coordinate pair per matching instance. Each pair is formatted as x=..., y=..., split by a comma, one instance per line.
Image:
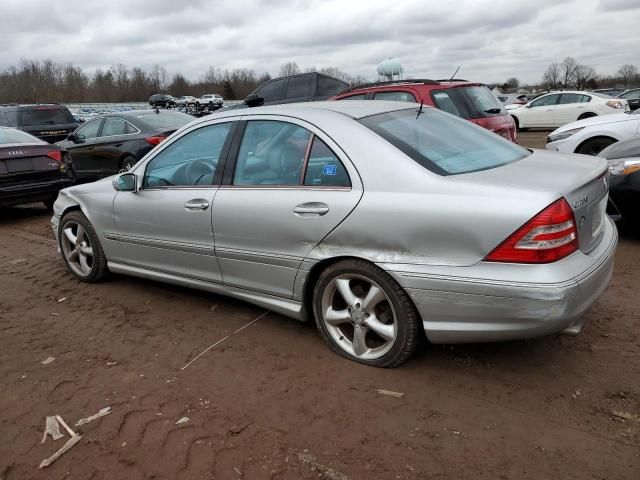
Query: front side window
x=545, y=101
x=271, y=91
x=89, y=130
x=189, y=161
x=443, y=144
x=271, y=153
x=396, y=96
x=298, y=87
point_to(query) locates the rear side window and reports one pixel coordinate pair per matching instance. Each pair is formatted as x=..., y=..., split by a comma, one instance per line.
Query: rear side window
x=443, y=144
x=328, y=87
x=38, y=116
x=298, y=87
x=272, y=91
x=568, y=98
x=324, y=168
x=397, y=96
x=113, y=126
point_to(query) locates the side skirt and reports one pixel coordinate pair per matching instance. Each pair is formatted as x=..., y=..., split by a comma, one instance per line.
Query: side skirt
x=283, y=306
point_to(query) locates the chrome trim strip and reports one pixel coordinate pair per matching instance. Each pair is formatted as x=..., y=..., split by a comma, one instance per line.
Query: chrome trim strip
x=288, y=261
x=198, y=249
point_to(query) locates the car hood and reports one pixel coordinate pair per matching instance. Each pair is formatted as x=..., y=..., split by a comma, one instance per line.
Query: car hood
x=600, y=120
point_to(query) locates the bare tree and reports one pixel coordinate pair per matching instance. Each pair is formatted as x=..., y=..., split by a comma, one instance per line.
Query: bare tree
x=288, y=69
x=158, y=78
x=627, y=73
x=568, y=72
x=551, y=77
x=583, y=76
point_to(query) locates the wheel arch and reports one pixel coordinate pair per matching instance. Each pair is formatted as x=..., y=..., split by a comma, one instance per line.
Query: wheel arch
x=596, y=137
x=584, y=115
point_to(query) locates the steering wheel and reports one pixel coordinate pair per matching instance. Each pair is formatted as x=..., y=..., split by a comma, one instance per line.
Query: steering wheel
x=197, y=169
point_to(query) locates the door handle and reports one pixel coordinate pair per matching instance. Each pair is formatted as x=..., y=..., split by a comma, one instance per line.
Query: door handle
x=311, y=209
x=196, y=204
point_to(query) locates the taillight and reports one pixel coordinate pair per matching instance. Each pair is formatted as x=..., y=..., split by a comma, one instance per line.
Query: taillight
x=547, y=237
x=55, y=154
x=155, y=140
x=617, y=104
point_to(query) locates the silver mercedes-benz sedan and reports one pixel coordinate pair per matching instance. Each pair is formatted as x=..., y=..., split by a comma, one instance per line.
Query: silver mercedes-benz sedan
x=380, y=220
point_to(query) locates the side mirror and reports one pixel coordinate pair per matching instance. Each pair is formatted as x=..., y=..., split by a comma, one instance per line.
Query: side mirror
x=71, y=137
x=125, y=182
x=254, y=100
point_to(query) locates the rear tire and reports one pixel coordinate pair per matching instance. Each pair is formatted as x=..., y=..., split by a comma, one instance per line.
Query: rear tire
x=517, y=122
x=365, y=315
x=128, y=163
x=49, y=203
x=81, y=249
x=594, y=146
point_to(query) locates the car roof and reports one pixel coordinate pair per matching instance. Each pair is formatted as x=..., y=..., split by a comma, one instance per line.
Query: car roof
x=355, y=109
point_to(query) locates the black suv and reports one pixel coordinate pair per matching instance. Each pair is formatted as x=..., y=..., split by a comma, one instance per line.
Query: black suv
x=50, y=122
x=306, y=87
x=162, y=100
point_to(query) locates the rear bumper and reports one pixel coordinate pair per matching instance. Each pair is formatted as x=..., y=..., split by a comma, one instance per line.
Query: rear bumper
x=32, y=191
x=511, y=301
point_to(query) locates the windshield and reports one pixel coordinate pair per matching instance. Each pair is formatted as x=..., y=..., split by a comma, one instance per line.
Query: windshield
x=45, y=116
x=443, y=143
x=474, y=101
x=164, y=119
x=9, y=135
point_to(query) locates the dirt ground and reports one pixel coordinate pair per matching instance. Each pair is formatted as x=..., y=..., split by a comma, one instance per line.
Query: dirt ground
x=273, y=402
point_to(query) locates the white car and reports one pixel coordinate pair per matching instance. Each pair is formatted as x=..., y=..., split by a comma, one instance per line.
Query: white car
x=210, y=99
x=186, y=100
x=559, y=108
x=592, y=135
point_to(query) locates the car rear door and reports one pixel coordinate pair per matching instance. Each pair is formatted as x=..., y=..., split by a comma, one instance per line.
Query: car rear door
x=287, y=185
x=570, y=107
x=166, y=224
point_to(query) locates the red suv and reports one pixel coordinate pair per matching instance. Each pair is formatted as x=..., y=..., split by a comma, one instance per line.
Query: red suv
x=469, y=100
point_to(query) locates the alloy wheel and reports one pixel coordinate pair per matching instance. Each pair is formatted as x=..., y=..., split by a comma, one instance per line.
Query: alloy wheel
x=77, y=248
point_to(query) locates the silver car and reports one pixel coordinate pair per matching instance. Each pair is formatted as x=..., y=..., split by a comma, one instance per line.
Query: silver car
x=380, y=220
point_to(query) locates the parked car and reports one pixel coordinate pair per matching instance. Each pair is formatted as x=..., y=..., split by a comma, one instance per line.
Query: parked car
x=591, y=135
x=633, y=97
x=116, y=141
x=469, y=100
x=559, y=108
x=512, y=99
x=381, y=220
x=185, y=100
x=50, y=122
x=212, y=100
x=162, y=100
x=624, y=188
x=305, y=87
x=31, y=170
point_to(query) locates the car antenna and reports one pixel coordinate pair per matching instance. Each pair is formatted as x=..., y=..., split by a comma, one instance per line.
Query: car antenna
x=420, y=109
x=455, y=73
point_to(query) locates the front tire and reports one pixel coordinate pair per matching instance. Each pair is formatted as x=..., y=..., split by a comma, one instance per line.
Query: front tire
x=81, y=248
x=364, y=315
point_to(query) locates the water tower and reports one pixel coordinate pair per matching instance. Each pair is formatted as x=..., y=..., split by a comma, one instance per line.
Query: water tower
x=390, y=69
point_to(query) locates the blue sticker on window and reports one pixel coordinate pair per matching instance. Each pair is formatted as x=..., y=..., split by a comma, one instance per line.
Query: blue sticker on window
x=329, y=169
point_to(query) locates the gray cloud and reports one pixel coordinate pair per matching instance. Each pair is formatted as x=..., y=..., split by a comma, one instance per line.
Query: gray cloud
x=492, y=40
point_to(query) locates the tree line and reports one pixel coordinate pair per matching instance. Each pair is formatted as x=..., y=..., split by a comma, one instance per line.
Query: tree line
x=48, y=81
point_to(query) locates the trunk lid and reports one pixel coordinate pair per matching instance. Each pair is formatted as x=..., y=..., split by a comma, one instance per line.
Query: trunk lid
x=21, y=159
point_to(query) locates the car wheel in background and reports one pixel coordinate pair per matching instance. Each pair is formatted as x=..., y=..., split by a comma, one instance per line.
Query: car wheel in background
x=587, y=115
x=49, y=203
x=594, y=146
x=128, y=163
x=81, y=248
x=517, y=122
x=364, y=315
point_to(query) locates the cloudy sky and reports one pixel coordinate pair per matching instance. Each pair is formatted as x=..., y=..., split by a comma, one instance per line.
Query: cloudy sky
x=492, y=39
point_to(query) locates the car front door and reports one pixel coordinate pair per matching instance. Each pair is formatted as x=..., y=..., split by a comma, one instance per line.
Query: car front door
x=166, y=224
x=286, y=186
x=82, y=149
x=109, y=152
x=540, y=112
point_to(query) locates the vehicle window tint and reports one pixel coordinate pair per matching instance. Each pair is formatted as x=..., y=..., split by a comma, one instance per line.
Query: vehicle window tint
x=298, y=87
x=3, y=119
x=190, y=160
x=113, y=126
x=45, y=116
x=568, y=98
x=631, y=95
x=164, y=119
x=444, y=144
x=271, y=153
x=584, y=99
x=11, y=135
x=397, y=96
x=271, y=91
x=443, y=101
x=12, y=117
x=545, y=101
x=128, y=128
x=360, y=96
x=328, y=87
x=89, y=130
x=481, y=102
x=324, y=168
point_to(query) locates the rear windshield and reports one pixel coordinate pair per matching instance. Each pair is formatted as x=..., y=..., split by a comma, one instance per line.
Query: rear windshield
x=164, y=119
x=442, y=143
x=36, y=116
x=9, y=135
x=474, y=101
